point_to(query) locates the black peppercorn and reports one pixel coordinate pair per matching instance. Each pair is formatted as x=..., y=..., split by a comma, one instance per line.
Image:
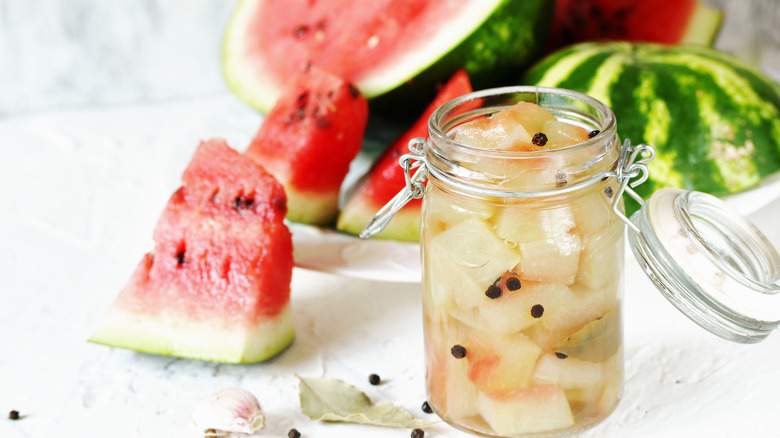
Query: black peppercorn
x=493, y=292
x=593, y=133
x=458, y=351
x=293, y=433
x=427, y=408
x=537, y=311
x=513, y=283
x=374, y=379
x=13, y=415
x=608, y=191
x=418, y=433
x=540, y=139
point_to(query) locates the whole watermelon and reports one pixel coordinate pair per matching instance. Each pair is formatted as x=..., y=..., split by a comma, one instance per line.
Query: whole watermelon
x=714, y=122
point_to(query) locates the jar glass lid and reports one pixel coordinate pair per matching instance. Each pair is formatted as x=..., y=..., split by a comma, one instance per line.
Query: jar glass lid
x=710, y=262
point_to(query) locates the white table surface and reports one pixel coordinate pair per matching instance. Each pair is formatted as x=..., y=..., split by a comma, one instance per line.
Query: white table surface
x=81, y=193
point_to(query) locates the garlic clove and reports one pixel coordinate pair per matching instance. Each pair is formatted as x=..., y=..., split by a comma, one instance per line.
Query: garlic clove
x=230, y=410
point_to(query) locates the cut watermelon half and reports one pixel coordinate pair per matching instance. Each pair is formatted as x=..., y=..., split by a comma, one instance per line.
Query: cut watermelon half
x=380, y=45
x=657, y=21
x=309, y=140
x=217, y=286
x=386, y=178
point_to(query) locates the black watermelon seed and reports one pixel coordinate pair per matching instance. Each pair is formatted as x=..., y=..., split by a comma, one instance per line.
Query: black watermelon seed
x=593, y=133
x=180, y=257
x=493, y=292
x=418, y=433
x=241, y=203
x=427, y=408
x=560, y=355
x=353, y=91
x=301, y=31
x=374, y=379
x=293, y=433
x=324, y=122
x=608, y=192
x=13, y=415
x=537, y=311
x=513, y=283
x=458, y=351
x=540, y=139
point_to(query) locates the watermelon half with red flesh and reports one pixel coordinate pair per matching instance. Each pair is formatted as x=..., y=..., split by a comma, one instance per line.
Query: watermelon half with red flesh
x=404, y=46
x=217, y=286
x=308, y=141
x=386, y=177
x=658, y=21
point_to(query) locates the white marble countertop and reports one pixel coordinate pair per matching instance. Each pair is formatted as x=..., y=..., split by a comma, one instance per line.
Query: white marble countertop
x=85, y=170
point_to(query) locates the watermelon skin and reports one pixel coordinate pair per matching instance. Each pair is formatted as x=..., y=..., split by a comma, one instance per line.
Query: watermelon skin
x=655, y=21
x=386, y=178
x=217, y=286
x=400, y=48
x=309, y=140
x=714, y=122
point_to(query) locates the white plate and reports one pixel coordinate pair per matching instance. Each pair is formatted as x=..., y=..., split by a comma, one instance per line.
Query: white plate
x=326, y=250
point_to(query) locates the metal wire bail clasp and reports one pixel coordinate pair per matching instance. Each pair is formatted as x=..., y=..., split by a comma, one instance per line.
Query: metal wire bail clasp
x=631, y=164
x=414, y=189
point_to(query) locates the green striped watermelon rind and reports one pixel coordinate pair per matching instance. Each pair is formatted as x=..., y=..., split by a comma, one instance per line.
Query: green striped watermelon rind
x=492, y=46
x=726, y=146
x=511, y=39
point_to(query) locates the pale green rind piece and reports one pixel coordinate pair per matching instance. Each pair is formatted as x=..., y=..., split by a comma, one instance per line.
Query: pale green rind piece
x=330, y=399
x=703, y=26
x=170, y=334
x=356, y=214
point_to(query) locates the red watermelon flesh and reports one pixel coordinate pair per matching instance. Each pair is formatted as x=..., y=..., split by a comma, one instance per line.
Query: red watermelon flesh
x=659, y=21
x=308, y=141
x=217, y=286
x=386, y=178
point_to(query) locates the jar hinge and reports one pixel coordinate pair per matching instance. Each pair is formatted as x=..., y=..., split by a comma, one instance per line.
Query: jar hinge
x=629, y=168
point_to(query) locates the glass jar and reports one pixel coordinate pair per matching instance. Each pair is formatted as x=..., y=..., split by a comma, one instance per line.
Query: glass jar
x=522, y=273
x=523, y=255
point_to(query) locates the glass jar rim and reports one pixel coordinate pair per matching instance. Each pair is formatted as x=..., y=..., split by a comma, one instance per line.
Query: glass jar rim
x=437, y=131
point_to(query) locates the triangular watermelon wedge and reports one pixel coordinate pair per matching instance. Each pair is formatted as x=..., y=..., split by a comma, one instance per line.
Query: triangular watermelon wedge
x=308, y=141
x=386, y=178
x=217, y=286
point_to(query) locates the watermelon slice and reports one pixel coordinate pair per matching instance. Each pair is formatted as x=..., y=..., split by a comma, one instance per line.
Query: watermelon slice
x=217, y=286
x=657, y=21
x=386, y=178
x=308, y=141
x=381, y=45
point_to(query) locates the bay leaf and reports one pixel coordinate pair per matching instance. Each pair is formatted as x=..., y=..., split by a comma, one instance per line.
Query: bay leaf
x=331, y=399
